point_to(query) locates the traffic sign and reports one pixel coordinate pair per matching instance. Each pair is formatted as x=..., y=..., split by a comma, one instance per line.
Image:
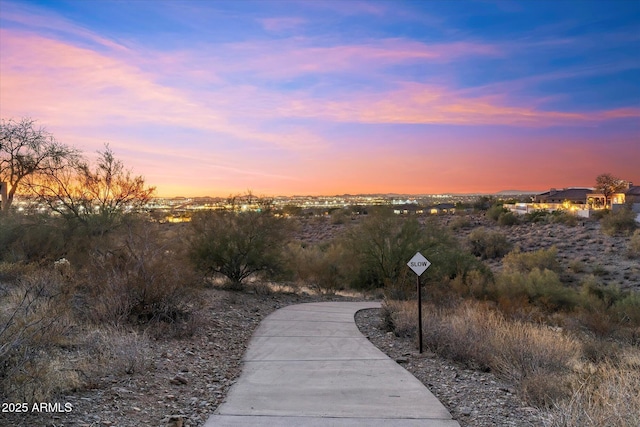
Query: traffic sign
x=419, y=263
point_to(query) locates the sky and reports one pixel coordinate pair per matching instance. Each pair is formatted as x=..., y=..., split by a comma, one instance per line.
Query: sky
x=211, y=98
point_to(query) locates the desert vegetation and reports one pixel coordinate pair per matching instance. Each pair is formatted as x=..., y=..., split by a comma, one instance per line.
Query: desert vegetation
x=568, y=340
x=88, y=280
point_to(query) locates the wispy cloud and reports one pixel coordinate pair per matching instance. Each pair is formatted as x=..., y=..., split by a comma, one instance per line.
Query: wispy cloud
x=414, y=103
x=315, y=94
x=32, y=19
x=299, y=56
x=282, y=23
x=91, y=86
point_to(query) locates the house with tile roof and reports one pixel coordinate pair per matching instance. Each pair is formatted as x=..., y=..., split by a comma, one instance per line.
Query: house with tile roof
x=574, y=196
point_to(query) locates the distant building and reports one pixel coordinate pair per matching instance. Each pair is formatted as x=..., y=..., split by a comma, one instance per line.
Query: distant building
x=443, y=208
x=408, y=209
x=576, y=196
x=633, y=193
x=630, y=194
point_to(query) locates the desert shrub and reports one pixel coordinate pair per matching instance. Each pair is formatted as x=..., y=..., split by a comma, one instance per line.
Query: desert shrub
x=599, y=214
x=319, y=267
x=475, y=284
x=621, y=222
x=627, y=309
x=381, y=246
x=488, y=244
x=495, y=211
x=34, y=316
x=598, y=270
x=527, y=261
x=339, y=216
x=449, y=261
x=507, y=219
x=460, y=222
x=577, y=266
x=563, y=217
x=400, y=317
x=541, y=288
x=532, y=356
x=109, y=351
x=536, y=216
x=600, y=350
x=606, y=395
x=31, y=238
x=634, y=245
x=237, y=245
x=599, y=296
x=146, y=279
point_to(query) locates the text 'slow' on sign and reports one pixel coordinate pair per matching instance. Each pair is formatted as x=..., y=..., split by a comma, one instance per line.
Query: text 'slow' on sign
x=418, y=264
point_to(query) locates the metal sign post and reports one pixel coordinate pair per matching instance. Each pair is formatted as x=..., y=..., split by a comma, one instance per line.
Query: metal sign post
x=419, y=264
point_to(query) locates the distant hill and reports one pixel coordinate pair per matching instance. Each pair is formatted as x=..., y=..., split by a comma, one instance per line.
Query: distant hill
x=515, y=192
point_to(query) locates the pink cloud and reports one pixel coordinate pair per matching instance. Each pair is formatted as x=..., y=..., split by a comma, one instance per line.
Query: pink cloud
x=33, y=18
x=282, y=23
x=57, y=82
x=427, y=104
x=292, y=57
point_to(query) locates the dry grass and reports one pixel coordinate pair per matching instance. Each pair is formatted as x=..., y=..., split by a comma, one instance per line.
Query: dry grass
x=45, y=352
x=603, y=395
x=634, y=245
x=532, y=356
x=34, y=321
x=581, y=383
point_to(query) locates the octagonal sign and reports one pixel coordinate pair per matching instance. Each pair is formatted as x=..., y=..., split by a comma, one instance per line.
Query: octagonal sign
x=418, y=263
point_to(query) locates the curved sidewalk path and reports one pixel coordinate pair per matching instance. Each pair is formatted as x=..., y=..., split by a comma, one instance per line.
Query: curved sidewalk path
x=309, y=365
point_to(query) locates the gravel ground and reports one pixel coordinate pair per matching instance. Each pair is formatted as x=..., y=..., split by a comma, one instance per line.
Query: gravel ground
x=474, y=399
x=186, y=379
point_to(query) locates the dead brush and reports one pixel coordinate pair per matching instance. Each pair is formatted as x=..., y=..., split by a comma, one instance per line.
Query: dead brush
x=112, y=351
x=144, y=280
x=532, y=356
x=34, y=321
x=605, y=394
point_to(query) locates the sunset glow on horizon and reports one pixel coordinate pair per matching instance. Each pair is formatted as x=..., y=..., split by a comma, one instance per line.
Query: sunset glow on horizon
x=211, y=98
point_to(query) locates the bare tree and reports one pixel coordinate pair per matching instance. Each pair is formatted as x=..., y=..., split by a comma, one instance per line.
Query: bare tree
x=28, y=151
x=609, y=185
x=100, y=194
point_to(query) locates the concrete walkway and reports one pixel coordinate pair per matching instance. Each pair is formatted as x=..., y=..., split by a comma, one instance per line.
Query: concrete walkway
x=309, y=365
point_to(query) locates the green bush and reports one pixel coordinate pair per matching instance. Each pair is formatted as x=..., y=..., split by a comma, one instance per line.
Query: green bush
x=527, y=261
x=563, y=217
x=237, y=245
x=460, y=222
x=495, y=211
x=541, y=288
x=536, y=216
x=488, y=244
x=620, y=222
x=634, y=245
x=381, y=247
x=508, y=219
x=577, y=266
x=627, y=309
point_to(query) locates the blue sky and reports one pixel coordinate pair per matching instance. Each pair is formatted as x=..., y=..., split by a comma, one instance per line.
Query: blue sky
x=213, y=97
